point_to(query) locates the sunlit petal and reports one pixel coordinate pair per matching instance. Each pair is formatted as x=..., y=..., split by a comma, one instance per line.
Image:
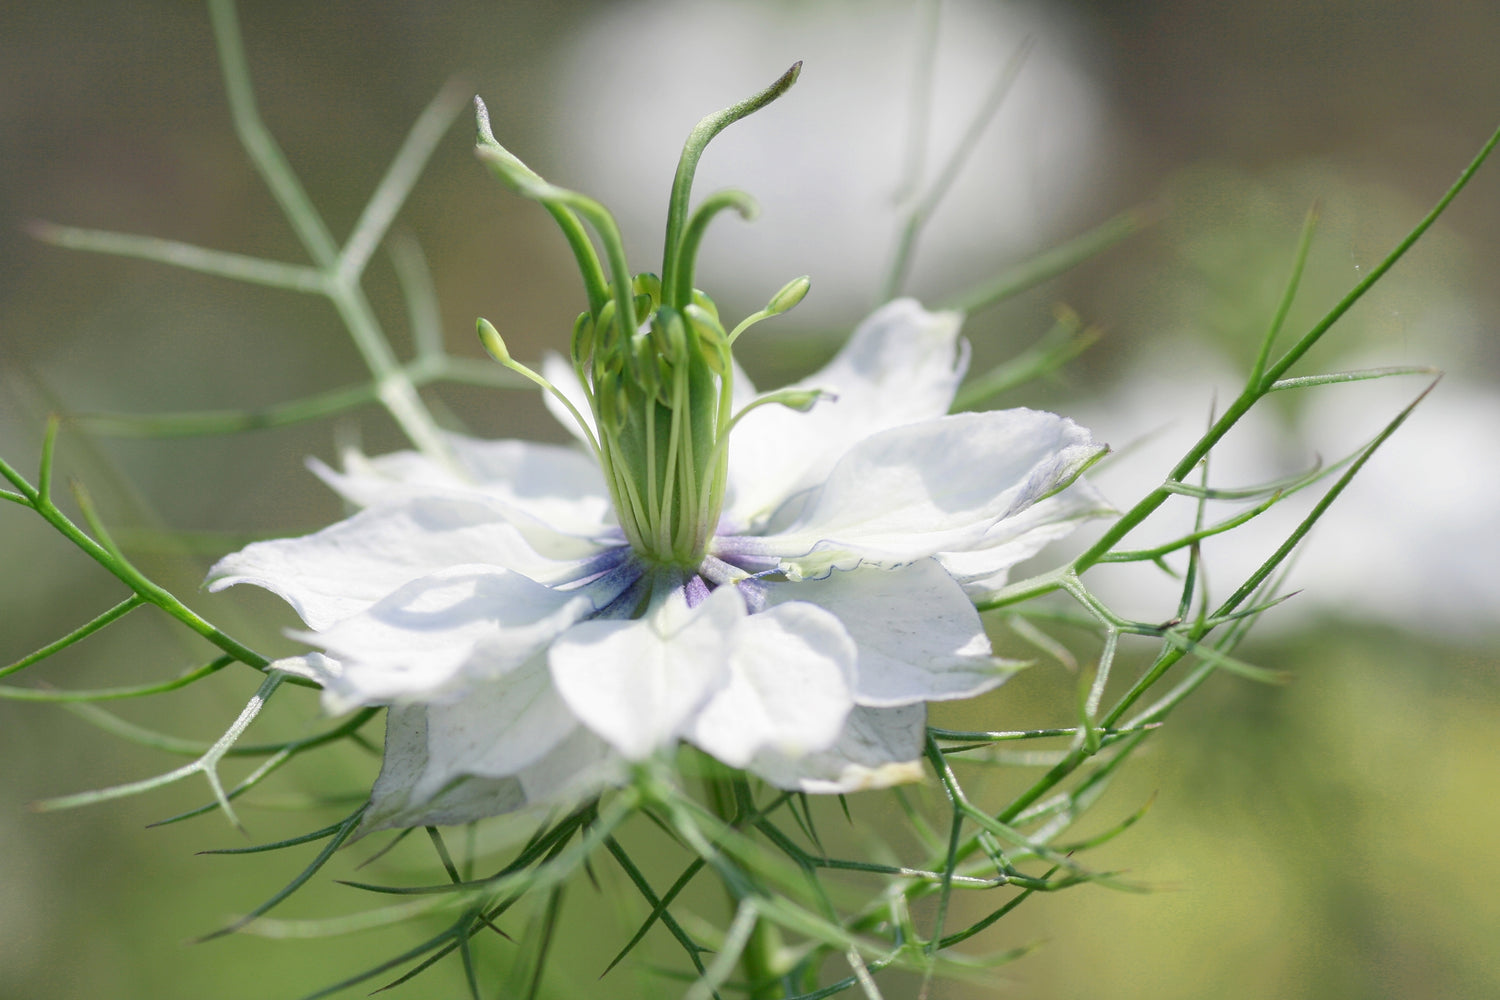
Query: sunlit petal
x=918, y=637
x=936, y=486
x=790, y=670
x=879, y=747
x=638, y=683
x=902, y=365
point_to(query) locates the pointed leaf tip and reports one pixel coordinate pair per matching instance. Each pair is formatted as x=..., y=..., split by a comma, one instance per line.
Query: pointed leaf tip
x=482, y=122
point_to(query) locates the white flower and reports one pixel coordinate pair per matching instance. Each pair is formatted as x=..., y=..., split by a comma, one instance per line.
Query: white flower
x=532, y=643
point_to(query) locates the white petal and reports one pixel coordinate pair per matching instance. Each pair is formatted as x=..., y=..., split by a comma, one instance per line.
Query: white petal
x=439, y=637
x=579, y=766
x=559, y=486
x=313, y=666
x=879, y=747
x=935, y=486
x=392, y=802
x=918, y=636
x=638, y=683
x=347, y=566
x=790, y=670
x=742, y=392
x=496, y=729
x=901, y=365
x=986, y=566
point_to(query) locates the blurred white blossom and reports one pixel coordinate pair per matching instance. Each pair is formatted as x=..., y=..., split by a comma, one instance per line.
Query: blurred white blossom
x=828, y=166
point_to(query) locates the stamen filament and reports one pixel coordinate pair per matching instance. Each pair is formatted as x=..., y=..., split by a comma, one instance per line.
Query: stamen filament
x=495, y=347
x=652, y=503
x=687, y=543
x=679, y=415
x=718, y=459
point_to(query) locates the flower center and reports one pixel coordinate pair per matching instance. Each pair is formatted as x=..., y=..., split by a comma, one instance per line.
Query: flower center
x=661, y=403
x=650, y=352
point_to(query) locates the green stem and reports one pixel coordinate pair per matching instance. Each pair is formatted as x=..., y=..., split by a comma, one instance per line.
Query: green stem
x=921, y=212
x=341, y=283
x=757, y=958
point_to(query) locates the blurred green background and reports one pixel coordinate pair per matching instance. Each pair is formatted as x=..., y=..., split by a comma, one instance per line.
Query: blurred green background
x=1334, y=838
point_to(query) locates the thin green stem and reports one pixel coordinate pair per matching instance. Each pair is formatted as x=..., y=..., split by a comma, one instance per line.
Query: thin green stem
x=692, y=237
x=341, y=282
x=83, y=631
x=921, y=212
x=219, y=263
x=919, y=107
x=116, y=693
x=1252, y=393
x=1067, y=339
x=423, y=317
x=1048, y=265
x=261, y=146
x=1299, y=262
x=392, y=191
x=1297, y=350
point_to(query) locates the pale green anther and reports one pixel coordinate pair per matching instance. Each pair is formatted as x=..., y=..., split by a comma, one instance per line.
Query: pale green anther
x=712, y=341
x=800, y=400
x=645, y=367
x=677, y=337
x=644, y=304
x=583, y=338
x=605, y=325
x=619, y=413
x=647, y=283
x=791, y=293
x=715, y=355
x=705, y=303
x=609, y=363
x=663, y=382
x=659, y=333
x=493, y=342
x=705, y=323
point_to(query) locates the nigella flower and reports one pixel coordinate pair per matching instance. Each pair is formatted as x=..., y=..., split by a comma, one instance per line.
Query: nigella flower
x=781, y=580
